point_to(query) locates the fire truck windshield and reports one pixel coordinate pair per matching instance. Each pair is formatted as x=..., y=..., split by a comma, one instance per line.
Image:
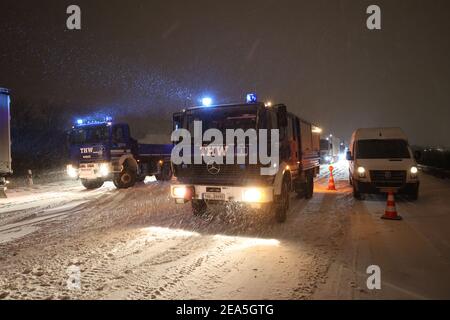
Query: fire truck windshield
x=223, y=118
x=89, y=134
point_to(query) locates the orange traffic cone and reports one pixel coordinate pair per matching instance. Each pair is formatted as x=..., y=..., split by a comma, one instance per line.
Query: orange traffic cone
x=391, y=212
x=331, y=185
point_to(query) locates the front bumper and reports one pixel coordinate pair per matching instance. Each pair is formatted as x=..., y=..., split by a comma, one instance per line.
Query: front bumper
x=250, y=194
x=368, y=187
x=90, y=171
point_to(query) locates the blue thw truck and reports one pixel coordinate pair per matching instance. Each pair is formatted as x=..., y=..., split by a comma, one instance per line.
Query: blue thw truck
x=102, y=150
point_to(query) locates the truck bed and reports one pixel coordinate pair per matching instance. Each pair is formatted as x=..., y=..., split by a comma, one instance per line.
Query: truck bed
x=161, y=150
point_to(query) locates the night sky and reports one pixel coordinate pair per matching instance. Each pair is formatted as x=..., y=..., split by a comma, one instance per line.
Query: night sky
x=141, y=60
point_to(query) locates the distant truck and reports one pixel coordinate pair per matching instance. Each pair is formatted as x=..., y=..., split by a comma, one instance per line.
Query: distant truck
x=381, y=160
x=325, y=151
x=102, y=150
x=330, y=148
x=211, y=183
x=5, y=140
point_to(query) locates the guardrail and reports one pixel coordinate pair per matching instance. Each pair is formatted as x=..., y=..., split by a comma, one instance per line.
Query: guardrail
x=49, y=176
x=437, y=172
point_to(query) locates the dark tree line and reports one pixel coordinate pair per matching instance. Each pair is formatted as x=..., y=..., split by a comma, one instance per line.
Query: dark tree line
x=38, y=132
x=438, y=158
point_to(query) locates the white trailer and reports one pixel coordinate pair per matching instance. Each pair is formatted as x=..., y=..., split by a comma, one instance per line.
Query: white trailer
x=5, y=140
x=335, y=148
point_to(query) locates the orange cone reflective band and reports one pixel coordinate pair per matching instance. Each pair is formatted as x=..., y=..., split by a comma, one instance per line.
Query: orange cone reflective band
x=331, y=185
x=391, y=212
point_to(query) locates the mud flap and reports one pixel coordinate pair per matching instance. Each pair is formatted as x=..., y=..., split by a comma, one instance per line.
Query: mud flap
x=3, y=193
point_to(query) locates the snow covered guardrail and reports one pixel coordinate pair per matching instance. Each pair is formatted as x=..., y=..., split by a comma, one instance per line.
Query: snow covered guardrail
x=438, y=172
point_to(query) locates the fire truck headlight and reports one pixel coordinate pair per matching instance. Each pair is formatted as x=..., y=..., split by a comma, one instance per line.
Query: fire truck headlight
x=71, y=171
x=253, y=195
x=179, y=192
x=104, y=169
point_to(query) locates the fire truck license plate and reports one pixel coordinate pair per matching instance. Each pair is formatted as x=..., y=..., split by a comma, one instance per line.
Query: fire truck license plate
x=87, y=172
x=213, y=196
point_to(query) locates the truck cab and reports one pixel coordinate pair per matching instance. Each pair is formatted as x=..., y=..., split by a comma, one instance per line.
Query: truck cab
x=102, y=150
x=381, y=160
x=212, y=183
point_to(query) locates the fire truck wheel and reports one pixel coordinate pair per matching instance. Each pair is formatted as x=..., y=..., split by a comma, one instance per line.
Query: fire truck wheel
x=125, y=179
x=309, y=186
x=166, y=173
x=92, y=184
x=199, y=207
x=281, y=206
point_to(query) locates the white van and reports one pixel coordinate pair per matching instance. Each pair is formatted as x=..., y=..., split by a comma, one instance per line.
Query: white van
x=380, y=160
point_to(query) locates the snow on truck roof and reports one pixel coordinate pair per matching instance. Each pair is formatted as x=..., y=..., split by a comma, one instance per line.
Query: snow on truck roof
x=379, y=133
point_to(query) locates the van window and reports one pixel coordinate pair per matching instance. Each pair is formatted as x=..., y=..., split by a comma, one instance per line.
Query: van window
x=382, y=149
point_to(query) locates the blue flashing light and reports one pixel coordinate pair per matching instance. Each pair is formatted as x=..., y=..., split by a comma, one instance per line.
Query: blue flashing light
x=91, y=121
x=252, y=98
x=207, y=101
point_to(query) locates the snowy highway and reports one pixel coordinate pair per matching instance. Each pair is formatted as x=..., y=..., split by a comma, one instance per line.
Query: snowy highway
x=137, y=244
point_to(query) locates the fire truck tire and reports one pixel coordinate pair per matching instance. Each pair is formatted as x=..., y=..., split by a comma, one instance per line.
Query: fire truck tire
x=309, y=186
x=166, y=173
x=199, y=207
x=92, y=184
x=125, y=179
x=281, y=205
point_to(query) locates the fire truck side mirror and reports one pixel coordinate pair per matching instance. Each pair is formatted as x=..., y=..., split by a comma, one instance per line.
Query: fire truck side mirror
x=282, y=116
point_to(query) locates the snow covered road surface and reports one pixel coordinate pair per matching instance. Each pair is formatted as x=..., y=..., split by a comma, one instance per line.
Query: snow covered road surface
x=137, y=244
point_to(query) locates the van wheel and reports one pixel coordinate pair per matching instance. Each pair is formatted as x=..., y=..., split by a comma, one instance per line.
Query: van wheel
x=92, y=184
x=125, y=179
x=414, y=195
x=356, y=193
x=281, y=206
x=309, y=187
x=199, y=207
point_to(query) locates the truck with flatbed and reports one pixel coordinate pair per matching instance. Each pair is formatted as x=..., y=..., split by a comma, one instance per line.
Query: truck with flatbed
x=212, y=183
x=102, y=150
x=5, y=140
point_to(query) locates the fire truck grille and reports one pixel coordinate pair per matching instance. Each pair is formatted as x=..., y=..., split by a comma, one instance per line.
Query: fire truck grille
x=220, y=174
